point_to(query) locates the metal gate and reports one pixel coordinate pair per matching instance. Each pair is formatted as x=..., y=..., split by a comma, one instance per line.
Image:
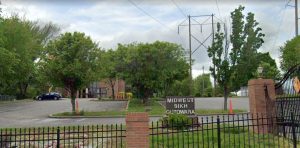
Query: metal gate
x=288, y=103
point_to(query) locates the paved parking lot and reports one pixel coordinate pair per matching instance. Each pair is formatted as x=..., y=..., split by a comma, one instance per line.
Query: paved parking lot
x=217, y=103
x=35, y=113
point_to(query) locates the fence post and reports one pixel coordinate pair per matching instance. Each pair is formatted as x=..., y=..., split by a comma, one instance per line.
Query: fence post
x=58, y=138
x=293, y=130
x=282, y=118
x=137, y=130
x=219, y=132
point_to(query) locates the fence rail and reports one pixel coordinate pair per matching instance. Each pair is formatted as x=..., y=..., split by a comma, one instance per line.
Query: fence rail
x=7, y=98
x=69, y=137
x=244, y=130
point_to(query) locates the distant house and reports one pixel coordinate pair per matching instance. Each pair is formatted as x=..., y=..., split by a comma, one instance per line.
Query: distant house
x=243, y=92
x=98, y=89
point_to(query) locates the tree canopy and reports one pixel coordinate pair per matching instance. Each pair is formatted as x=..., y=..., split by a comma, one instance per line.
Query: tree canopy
x=71, y=62
x=270, y=69
x=202, y=86
x=246, y=39
x=152, y=67
x=290, y=53
x=236, y=70
x=21, y=42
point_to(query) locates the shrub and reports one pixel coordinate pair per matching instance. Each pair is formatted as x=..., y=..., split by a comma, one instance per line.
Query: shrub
x=81, y=112
x=177, y=121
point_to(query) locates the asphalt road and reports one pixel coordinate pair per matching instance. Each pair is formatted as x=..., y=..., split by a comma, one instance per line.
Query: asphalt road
x=35, y=113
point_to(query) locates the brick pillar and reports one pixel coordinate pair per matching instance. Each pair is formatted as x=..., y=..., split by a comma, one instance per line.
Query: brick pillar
x=137, y=130
x=262, y=104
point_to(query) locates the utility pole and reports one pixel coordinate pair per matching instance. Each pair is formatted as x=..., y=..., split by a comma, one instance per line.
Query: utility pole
x=201, y=43
x=213, y=40
x=202, y=80
x=190, y=51
x=296, y=17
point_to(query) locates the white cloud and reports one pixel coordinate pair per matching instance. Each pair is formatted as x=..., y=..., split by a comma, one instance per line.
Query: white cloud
x=112, y=22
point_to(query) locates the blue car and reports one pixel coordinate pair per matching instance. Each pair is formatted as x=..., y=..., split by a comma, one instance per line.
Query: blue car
x=49, y=96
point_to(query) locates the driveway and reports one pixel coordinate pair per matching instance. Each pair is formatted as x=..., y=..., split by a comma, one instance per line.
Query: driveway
x=35, y=113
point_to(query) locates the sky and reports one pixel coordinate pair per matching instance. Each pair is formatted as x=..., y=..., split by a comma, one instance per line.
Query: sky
x=126, y=21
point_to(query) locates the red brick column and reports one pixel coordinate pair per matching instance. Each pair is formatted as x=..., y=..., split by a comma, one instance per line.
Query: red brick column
x=137, y=130
x=262, y=104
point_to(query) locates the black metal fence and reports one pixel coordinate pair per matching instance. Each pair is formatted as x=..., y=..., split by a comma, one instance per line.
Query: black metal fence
x=66, y=137
x=244, y=130
x=7, y=98
x=287, y=98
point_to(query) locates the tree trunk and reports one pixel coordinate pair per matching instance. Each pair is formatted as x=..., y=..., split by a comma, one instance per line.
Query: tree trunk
x=73, y=97
x=23, y=90
x=113, y=92
x=147, y=94
x=112, y=85
x=225, y=97
x=145, y=100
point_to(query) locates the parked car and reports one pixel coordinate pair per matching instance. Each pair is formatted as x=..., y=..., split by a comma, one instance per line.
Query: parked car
x=49, y=96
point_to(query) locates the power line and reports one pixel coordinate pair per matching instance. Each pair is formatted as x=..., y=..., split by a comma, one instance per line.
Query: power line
x=280, y=23
x=145, y=12
x=180, y=10
x=148, y=14
x=218, y=8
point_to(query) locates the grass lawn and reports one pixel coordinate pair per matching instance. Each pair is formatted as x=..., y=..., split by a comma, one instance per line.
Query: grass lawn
x=155, y=108
x=16, y=101
x=136, y=105
x=92, y=113
x=206, y=137
x=217, y=111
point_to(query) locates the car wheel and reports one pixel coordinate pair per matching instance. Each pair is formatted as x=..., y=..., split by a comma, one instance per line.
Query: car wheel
x=55, y=98
x=39, y=98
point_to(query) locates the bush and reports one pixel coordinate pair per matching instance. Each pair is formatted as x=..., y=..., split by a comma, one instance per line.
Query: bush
x=232, y=95
x=81, y=113
x=177, y=121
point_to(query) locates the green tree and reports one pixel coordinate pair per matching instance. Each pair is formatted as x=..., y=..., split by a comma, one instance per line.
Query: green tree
x=70, y=62
x=179, y=88
x=290, y=53
x=270, y=70
x=7, y=62
x=222, y=66
x=21, y=45
x=151, y=67
x=246, y=38
x=109, y=69
x=202, y=86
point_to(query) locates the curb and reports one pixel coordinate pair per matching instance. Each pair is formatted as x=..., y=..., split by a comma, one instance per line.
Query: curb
x=61, y=117
x=108, y=100
x=123, y=116
x=213, y=114
x=75, y=117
